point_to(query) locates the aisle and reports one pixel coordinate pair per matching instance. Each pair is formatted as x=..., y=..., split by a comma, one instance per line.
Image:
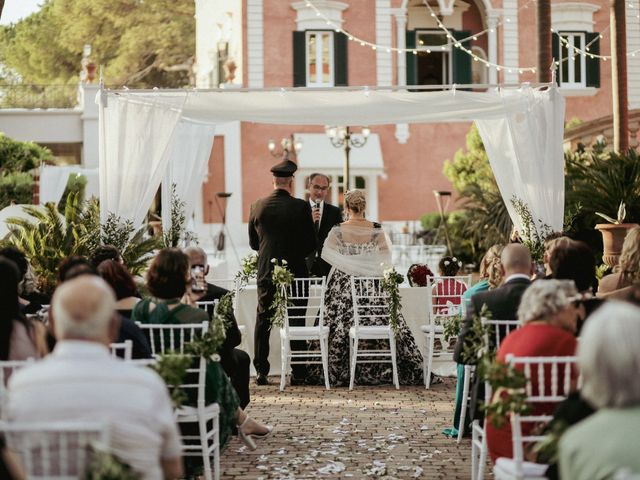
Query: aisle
x=371, y=432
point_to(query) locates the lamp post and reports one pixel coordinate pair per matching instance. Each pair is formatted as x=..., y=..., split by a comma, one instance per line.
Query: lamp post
x=288, y=146
x=342, y=137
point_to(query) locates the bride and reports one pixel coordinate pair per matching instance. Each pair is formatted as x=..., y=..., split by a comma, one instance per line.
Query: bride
x=359, y=247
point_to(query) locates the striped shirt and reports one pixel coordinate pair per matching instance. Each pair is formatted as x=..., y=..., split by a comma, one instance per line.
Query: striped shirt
x=80, y=381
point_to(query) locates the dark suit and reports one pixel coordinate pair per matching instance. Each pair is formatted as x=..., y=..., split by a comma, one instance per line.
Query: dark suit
x=331, y=216
x=503, y=303
x=234, y=361
x=280, y=227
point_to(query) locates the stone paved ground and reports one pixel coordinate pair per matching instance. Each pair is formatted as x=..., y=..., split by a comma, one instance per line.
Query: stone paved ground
x=370, y=432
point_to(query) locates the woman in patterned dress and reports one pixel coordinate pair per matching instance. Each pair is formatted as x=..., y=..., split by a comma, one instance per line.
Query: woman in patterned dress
x=359, y=247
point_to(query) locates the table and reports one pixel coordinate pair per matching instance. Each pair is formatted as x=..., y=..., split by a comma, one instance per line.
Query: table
x=415, y=308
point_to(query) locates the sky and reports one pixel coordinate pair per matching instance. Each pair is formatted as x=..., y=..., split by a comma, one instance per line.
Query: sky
x=14, y=10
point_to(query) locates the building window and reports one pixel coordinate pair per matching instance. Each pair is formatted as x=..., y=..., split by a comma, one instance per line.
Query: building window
x=574, y=69
x=572, y=62
x=437, y=62
x=319, y=59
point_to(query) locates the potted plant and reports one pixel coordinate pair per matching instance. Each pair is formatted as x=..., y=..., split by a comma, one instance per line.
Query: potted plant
x=613, y=234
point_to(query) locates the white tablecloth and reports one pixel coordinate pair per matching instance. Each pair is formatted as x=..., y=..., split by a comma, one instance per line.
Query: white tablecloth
x=415, y=308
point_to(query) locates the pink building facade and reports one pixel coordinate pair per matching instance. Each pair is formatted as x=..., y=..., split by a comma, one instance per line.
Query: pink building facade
x=323, y=43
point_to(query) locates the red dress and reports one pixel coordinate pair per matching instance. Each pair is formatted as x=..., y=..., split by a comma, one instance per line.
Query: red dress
x=532, y=340
x=447, y=292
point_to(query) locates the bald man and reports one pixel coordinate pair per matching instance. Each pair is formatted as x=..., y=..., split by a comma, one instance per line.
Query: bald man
x=81, y=381
x=502, y=304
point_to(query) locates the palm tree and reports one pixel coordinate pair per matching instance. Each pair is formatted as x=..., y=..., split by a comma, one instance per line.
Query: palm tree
x=544, y=41
x=619, y=76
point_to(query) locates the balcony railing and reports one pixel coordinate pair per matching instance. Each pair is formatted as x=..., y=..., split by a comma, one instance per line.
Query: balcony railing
x=38, y=96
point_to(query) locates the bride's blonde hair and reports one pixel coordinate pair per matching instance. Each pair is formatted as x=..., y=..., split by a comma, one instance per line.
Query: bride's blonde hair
x=355, y=201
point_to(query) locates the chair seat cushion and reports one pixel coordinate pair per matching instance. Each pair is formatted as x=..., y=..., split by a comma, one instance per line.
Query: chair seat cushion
x=430, y=328
x=506, y=468
x=305, y=332
x=371, y=332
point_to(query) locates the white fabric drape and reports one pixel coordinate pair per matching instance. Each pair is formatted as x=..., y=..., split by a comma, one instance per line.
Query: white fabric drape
x=525, y=151
x=53, y=181
x=186, y=166
x=134, y=139
x=355, y=250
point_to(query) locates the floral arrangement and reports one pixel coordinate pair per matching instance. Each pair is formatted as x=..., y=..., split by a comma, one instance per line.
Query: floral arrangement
x=508, y=385
x=390, y=281
x=418, y=274
x=281, y=278
x=172, y=368
x=454, y=260
x=249, y=269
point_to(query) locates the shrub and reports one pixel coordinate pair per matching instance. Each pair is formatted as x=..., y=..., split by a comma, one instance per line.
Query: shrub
x=15, y=187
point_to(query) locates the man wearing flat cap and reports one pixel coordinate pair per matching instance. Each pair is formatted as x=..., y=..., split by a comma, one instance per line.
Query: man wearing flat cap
x=280, y=227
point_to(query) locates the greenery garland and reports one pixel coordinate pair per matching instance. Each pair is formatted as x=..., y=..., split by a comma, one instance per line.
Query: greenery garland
x=451, y=326
x=172, y=368
x=282, y=279
x=103, y=465
x=391, y=280
x=178, y=230
x=248, y=270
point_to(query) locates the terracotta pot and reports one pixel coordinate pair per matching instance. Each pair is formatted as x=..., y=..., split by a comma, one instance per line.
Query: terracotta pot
x=612, y=238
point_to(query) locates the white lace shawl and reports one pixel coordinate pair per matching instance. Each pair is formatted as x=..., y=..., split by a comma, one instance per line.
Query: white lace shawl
x=354, y=250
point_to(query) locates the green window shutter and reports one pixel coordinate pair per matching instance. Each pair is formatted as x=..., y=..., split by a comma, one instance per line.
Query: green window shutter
x=340, y=63
x=412, y=62
x=555, y=53
x=461, y=60
x=593, y=64
x=299, y=59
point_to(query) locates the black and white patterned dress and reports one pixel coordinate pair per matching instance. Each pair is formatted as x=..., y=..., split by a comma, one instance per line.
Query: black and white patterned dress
x=339, y=318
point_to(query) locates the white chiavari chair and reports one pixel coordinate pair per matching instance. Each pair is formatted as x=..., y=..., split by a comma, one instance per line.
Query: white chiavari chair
x=7, y=367
x=123, y=350
x=310, y=292
x=171, y=337
x=371, y=322
x=56, y=450
x=445, y=302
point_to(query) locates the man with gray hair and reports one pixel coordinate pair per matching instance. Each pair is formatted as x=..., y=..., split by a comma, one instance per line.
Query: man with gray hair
x=80, y=380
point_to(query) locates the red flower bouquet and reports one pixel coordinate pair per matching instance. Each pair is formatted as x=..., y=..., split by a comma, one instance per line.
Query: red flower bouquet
x=417, y=275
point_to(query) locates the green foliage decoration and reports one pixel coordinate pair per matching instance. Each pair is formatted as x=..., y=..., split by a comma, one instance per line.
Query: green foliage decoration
x=178, y=232
x=15, y=187
x=103, y=465
x=509, y=394
x=533, y=231
x=75, y=184
x=451, y=326
x=281, y=278
x=391, y=280
x=172, y=368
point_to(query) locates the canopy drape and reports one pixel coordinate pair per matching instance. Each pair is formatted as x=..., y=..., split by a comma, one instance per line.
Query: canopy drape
x=53, y=181
x=186, y=166
x=522, y=129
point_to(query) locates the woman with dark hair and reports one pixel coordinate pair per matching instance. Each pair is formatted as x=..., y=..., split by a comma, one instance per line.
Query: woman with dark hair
x=20, y=338
x=119, y=278
x=167, y=279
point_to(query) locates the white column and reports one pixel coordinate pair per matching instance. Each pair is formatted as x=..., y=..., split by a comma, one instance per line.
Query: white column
x=90, y=114
x=255, y=43
x=372, y=197
x=384, y=68
x=492, y=25
x=510, y=41
x=633, y=44
x=402, y=129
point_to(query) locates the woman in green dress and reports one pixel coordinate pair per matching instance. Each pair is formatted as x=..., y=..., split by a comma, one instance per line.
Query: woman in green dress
x=168, y=280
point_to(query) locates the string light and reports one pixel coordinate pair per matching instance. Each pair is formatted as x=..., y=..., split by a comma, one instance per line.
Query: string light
x=586, y=52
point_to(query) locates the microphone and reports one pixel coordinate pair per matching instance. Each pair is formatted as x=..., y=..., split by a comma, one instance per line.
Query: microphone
x=317, y=222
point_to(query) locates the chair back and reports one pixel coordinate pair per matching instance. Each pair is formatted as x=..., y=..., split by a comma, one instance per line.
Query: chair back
x=194, y=381
x=231, y=284
x=59, y=450
x=497, y=330
x=123, y=350
x=446, y=296
x=208, y=306
x=370, y=302
x=305, y=302
x=7, y=367
x=548, y=378
x=165, y=337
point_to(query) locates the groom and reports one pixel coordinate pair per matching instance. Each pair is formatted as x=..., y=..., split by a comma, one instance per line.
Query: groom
x=280, y=227
x=325, y=217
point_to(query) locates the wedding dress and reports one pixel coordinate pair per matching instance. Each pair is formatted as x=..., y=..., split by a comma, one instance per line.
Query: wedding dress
x=360, y=251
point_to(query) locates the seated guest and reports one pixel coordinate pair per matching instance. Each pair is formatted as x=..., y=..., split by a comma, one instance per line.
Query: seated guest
x=20, y=338
x=548, y=319
x=82, y=382
x=235, y=362
x=552, y=241
x=31, y=300
x=447, y=292
x=76, y=266
x=575, y=261
x=104, y=252
x=167, y=279
x=606, y=443
x=119, y=278
x=616, y=285
x=490, y=277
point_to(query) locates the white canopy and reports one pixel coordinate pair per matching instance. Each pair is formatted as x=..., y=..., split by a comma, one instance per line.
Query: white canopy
x=522, y=129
